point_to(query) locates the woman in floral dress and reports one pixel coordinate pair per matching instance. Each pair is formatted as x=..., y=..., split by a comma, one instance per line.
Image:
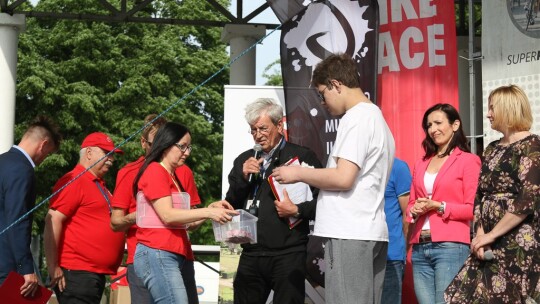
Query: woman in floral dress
x=507, y=216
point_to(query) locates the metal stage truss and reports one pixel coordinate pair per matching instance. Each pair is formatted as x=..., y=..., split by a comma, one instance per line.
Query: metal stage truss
x=124, y=11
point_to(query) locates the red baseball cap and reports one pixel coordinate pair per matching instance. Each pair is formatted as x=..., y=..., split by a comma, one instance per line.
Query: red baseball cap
x=101, y=140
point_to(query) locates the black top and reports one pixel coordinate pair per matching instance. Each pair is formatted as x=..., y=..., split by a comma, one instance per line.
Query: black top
x=274, y=237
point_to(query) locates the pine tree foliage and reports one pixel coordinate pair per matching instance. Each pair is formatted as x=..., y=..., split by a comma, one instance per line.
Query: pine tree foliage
x=98, y=76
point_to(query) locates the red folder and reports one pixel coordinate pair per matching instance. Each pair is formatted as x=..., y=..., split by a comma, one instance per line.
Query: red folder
x=293, y=221
x=10, y=291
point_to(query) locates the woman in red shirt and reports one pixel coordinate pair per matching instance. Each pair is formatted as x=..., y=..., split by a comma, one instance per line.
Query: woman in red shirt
x=161, y=252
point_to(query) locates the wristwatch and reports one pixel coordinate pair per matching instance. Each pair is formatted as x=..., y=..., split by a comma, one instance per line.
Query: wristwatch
x=441, y=208
x=297, y=215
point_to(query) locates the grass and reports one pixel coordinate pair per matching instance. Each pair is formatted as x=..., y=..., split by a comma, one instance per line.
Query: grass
x=228, y=265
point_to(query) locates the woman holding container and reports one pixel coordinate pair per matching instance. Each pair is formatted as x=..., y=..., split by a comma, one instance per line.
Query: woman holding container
x=161, y=252
x=441, y=203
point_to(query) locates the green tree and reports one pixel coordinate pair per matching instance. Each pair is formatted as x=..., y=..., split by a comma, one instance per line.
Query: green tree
x=97, y=76
x=272, y=73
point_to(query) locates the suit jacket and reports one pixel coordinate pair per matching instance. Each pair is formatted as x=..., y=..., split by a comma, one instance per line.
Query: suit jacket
x=17, y=197
x=456, y=185
x=274, y=236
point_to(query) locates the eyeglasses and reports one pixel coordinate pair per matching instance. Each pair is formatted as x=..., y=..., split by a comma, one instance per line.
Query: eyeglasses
x=184, y=147
x=321, y=94
x=263, y=130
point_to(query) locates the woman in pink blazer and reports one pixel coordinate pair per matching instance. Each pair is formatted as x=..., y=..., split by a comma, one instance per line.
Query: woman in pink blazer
x=441, y=203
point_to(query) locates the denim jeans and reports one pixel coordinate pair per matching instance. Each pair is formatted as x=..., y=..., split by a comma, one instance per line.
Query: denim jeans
x=434, y=266
x=160, y=272
x=139, y=293
x=393, y=278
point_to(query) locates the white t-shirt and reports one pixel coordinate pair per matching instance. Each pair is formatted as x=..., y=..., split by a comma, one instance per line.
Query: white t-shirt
x=363, y=137
x=429, y=181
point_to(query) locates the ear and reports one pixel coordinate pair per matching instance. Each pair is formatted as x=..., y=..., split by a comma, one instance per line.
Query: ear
x=143, y=142
x=455, y=125
x=338, y=85
x=88, y=152
x=280, y=127
x=42, y=145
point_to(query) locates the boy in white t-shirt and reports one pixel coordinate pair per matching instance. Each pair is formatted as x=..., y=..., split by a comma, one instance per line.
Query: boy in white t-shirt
x=350, y=206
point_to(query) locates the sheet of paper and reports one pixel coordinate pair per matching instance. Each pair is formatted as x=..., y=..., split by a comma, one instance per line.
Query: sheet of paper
x=298, y=192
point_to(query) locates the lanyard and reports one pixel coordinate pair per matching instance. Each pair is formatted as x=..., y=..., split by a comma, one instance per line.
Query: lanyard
x=175, y=179
x=269, y=161
x=105, y=196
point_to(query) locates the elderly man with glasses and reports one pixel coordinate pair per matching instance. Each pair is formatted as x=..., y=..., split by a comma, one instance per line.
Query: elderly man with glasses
x=277, y=261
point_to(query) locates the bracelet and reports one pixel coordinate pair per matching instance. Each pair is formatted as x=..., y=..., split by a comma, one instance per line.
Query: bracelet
x=441, y=208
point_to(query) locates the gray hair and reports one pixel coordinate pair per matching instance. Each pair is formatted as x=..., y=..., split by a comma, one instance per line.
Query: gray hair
x=262, y=106
x=82, y=152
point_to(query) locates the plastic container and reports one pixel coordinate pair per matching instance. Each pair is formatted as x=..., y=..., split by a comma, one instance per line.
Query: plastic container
x=147, y=216
x=242, y=229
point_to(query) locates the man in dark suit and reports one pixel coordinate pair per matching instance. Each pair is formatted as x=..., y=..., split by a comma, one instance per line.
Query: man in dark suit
x=17, y=197
x=278, y=261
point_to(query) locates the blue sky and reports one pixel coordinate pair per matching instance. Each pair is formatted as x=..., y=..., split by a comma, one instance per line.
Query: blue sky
x=268, y=51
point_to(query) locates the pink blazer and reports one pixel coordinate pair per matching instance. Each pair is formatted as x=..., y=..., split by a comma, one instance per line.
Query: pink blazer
x=456, y=185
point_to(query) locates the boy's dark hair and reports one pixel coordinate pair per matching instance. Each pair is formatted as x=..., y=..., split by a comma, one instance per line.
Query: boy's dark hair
x=340, y=67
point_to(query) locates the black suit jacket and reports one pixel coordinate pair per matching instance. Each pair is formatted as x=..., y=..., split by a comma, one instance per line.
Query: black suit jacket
x=274, y=237
x=17, y=197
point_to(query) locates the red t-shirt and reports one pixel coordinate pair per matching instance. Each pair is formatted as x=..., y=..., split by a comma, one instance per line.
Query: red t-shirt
x=185, y=176
x=156, y=183
x=88, y=242
x=124, y=199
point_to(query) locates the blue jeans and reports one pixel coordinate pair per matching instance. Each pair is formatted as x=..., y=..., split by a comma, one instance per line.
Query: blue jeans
x=393, y=278
x=160, y=272
x=434, y=266
x=139, y=293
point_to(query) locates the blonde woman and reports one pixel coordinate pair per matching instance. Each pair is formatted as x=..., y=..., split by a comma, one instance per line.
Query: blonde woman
x=504, y=266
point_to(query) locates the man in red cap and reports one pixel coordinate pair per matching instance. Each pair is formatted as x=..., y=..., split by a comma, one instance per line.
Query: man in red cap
x=80, y=246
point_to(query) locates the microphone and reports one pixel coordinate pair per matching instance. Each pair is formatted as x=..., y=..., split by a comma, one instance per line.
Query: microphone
x=257, y=152
x=488, y=255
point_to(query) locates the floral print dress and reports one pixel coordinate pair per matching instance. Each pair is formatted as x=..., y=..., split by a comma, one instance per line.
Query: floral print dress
x=509, y=182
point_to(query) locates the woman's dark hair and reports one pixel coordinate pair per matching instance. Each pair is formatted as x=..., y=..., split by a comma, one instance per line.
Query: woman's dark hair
x=458, y=140
x=168, y=135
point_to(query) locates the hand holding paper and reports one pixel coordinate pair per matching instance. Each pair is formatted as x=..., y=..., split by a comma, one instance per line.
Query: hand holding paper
x=30, y=285
x=285, y=174
x=285, y=207
x=10, y=291
x=287, y=191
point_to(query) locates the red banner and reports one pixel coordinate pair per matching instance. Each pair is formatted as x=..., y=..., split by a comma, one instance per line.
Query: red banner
x=417, y=67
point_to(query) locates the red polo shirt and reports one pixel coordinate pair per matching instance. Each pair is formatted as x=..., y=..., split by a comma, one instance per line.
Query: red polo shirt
x=156, y=183
x=124, y=199
x=88, y=242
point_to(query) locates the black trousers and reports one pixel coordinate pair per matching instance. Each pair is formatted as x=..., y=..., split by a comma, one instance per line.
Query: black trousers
x=82, y=287
x=257, y=276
